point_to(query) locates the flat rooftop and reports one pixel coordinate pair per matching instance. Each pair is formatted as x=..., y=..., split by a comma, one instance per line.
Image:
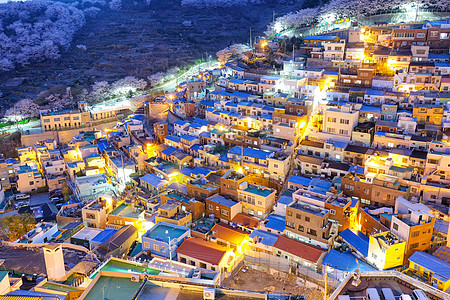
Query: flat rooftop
x=309, y=208
x=163, y=232
x=113, y=288
x=258, y=191
x=87, y=233
x=399, y=284
x=126, y=211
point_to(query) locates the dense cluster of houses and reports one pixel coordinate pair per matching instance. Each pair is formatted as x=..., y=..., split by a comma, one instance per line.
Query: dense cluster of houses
x=339, y=161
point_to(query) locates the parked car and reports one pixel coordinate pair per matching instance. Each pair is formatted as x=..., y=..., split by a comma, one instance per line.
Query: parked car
x=22, y=196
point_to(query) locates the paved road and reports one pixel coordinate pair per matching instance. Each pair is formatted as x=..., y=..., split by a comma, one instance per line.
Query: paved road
x=23, y=127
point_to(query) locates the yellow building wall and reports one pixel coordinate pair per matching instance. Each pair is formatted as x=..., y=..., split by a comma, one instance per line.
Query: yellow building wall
x=395, y=256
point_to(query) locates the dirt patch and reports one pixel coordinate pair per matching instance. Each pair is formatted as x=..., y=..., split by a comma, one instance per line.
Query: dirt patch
x=255, y=280
x=32, y=261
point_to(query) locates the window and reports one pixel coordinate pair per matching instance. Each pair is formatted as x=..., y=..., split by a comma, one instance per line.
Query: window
x=224, y=212
x=413, y=246
x=307, y=219
x=415, y=234
x=312, y=232
x=57, y=119
x=289, y=213
x=395, y=226
x=349, y=187
x=345, y=121
x=332, y=212
x=46, y=120
x=300, y=228
x=290, y=224
x=155, y=247
x=299, y=216
x=210, y=207
x=332, y=120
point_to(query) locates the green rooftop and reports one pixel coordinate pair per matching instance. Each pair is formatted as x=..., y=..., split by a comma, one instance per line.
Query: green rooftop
x=126, y=211
x=59, y=287
x=113, y=288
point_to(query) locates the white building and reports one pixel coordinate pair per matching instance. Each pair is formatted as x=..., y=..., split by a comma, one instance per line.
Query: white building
x=340, y=121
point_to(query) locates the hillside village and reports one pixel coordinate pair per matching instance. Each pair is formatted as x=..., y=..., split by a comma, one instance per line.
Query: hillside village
x=327, y=172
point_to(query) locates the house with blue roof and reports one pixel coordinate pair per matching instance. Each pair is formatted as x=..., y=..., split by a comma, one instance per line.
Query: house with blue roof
x=102, y=237
x=172, y=140
x=153, y=183
x=432, y=268
x=282, y=203
x=263, y=239
x=274, y=224
x=320, y=40
x=358, y=242
x=295, y=182
x=222, y=208
x=340, y=264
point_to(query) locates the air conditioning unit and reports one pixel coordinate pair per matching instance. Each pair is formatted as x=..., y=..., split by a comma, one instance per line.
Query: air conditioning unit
x=135, y=278
x=209, y=294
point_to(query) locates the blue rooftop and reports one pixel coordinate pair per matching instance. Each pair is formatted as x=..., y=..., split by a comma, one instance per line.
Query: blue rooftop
x=358, y=241
x=372, y=109
x=356, y=169
x=264, y=237
x=300, y=180
x=250, y=152
x=201, y=171
x=169, y=151
x=153, y=180
x=104, y=235
x=205, y=134
x=222, y=200
x=321, y=37
x=238, y=81
x=172, y=138
x=180, y=122
x=207, y=103
x=188, y=137
x=432, y=263
x=286, y=200
x=345, y=261
x=276, y=222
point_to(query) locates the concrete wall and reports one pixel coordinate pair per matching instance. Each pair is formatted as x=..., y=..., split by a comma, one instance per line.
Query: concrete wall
x=62, y=137
x=31, y=139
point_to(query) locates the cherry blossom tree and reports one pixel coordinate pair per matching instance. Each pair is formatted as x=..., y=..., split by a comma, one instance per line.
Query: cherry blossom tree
x=25, y=108
x=36, y=30
x=232, y=51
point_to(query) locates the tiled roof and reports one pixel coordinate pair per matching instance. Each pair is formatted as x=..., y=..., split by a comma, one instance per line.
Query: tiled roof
x=228, y=233
x=306, y=251
x=202, y=250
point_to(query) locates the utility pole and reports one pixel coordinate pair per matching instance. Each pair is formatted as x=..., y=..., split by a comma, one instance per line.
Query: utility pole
x=359, y=10
x=251, y=44
x=170, y=253
x=273, y=16
x=326, y=285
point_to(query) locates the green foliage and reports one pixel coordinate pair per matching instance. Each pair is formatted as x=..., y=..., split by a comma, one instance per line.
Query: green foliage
x=16, y=226
x=66, y=191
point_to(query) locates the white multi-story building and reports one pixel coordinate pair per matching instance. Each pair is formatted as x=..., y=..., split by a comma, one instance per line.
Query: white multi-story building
x=340, y=121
